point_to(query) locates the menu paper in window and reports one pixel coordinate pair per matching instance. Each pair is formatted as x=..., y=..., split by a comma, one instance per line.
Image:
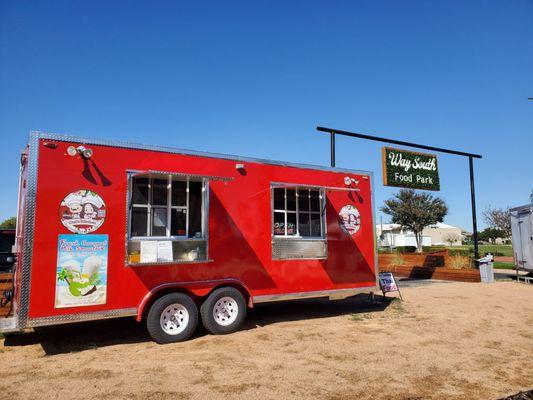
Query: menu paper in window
x=148, y=251
x=164, y=251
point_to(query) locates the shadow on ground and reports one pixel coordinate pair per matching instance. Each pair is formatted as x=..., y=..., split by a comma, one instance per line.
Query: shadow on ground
x=81, y=336
x=70, y=338
x=527, y=395
x=298, y=310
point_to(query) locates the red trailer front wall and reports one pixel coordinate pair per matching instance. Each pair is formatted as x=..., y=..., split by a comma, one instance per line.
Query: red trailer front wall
x=239, y=226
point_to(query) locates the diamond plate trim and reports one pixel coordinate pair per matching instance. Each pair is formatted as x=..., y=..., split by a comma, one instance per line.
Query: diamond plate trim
x=332, y=293
x=294, y=249
x=29, y=224
x=70, y=318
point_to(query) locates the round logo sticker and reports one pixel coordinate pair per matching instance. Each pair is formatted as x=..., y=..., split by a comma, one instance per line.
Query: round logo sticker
x=82, y=211
x=350, y=219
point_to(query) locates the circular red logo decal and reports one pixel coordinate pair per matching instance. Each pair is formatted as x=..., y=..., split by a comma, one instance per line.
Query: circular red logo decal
x=350, y=219
x=82, y=211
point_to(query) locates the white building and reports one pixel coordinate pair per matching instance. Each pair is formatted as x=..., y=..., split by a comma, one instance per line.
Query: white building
x=440, y=234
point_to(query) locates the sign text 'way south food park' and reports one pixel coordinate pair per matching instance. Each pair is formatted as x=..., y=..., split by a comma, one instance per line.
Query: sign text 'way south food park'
x=408, y=169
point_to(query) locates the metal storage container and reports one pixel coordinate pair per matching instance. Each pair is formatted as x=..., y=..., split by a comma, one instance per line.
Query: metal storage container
x=522, y=232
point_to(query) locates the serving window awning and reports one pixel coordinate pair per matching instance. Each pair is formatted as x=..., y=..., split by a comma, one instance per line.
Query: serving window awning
x=312, y=186
x=215, y=178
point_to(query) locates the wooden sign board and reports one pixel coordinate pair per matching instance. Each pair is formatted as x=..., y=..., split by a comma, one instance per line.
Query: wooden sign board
x=408, y=169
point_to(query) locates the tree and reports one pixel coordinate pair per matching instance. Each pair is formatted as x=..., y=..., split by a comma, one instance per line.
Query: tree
x=491, y=234
x=498, y=218
x=9, y=223
x=451, y=238
x=414, y=211
x=467, y=238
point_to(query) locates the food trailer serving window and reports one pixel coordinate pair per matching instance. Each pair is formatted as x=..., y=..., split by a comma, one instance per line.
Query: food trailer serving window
x=298, y=222
x=167, y=218
x=166, y=207
x=298, y=212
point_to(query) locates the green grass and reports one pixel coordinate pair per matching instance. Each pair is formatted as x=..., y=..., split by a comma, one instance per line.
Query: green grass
x=360, y=317
x=496, y=249
x=503, y=265
x=395, y=307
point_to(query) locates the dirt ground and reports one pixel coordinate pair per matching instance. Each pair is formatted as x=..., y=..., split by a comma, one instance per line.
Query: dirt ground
x=445, y=341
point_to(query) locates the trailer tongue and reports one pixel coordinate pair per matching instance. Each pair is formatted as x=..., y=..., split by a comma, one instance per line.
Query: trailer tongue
x=171, y=237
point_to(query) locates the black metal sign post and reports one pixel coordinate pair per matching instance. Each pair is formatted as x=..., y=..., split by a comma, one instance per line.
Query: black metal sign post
x=470, y=156
x=332, y=148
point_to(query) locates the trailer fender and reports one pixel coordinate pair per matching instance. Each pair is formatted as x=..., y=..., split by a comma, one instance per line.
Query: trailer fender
x=197, y=289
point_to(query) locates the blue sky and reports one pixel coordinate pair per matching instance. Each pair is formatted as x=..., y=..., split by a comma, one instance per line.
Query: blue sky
x=255, y=77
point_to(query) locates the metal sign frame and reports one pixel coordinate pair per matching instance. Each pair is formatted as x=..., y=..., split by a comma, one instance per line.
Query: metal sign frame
x=470, y=156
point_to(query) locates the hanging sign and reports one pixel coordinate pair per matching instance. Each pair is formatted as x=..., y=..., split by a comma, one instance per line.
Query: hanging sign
x=81, y=274
x=408, y=169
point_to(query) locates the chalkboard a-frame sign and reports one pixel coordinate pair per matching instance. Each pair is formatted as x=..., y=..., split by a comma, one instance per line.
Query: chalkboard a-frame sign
x=409, y=169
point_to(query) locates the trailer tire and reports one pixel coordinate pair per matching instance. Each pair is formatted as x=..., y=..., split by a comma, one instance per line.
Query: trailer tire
x=172, y=318
x=224, y=311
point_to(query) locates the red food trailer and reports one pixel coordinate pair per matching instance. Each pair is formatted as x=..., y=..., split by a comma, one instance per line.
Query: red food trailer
x=169, y=236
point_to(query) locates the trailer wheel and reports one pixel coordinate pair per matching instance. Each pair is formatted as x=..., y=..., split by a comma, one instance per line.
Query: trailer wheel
x=172, y=318
x=223, y=311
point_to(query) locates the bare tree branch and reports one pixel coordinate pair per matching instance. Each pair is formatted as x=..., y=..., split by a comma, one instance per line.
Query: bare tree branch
x=498, y=218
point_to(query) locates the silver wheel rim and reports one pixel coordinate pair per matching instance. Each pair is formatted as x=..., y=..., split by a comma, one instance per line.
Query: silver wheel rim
x=225, y=311
x=174, y=319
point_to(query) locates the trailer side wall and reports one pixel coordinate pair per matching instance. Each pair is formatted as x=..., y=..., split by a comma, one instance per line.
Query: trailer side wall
x=240, y=227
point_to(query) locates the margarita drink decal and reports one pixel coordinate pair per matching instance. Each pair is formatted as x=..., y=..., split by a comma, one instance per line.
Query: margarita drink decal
x=82, y=270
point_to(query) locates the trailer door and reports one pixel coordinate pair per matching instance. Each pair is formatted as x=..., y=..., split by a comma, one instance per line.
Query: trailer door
x=524, y=245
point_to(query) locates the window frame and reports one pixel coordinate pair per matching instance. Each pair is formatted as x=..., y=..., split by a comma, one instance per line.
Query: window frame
x=321, y=212
x=170, y=177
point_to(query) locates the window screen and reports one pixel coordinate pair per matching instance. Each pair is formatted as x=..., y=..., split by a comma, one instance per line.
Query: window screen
x=164, y=206
x=298, y=212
